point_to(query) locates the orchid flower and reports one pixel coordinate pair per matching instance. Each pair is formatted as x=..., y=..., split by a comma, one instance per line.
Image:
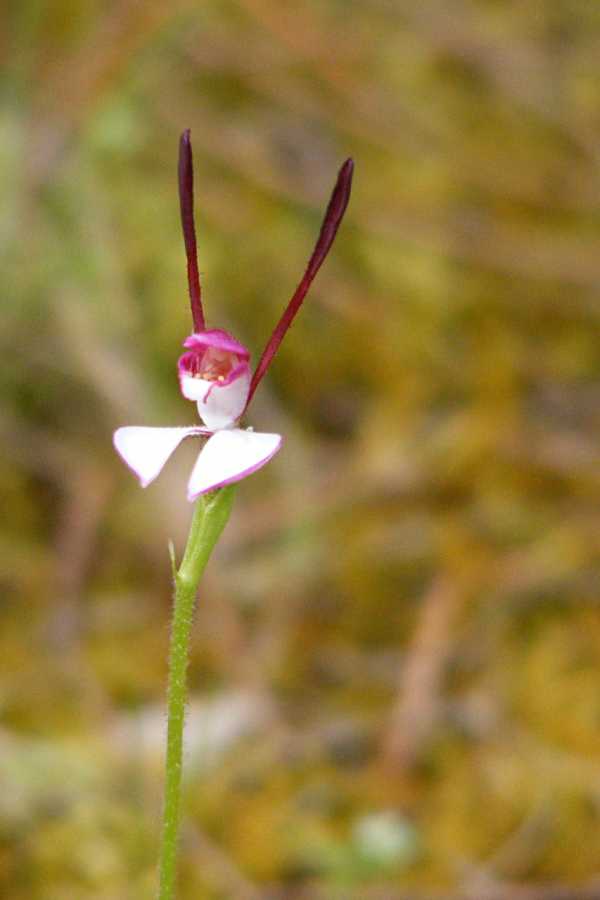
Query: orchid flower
x=215, y=372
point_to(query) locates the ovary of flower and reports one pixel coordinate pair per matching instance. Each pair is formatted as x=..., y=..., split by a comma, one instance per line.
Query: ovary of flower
x=215, y=372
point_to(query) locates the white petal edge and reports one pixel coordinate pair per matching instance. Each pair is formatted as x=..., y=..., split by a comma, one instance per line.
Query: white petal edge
x=146, y=450
x=229, y=456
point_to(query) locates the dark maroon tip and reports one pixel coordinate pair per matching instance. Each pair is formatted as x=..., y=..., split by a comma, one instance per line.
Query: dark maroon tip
x=331, y=222
x=186, y=201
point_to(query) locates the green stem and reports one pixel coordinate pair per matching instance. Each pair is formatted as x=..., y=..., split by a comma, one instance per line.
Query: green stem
x=210, y=517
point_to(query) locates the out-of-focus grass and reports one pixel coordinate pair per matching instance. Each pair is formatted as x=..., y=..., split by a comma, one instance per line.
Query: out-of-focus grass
x=396, y=662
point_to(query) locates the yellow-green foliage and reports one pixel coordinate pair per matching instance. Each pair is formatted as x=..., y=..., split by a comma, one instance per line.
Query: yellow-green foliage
x=396, y=663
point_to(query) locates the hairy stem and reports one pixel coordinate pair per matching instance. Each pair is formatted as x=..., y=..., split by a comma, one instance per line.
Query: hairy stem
x=210, y=517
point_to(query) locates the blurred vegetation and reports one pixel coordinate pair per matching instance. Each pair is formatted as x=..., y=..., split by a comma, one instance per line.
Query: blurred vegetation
x=396, y=664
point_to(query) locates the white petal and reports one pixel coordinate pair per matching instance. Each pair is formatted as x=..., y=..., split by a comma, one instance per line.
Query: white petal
x=146, y=450
x=219, y=405
x=230, y=455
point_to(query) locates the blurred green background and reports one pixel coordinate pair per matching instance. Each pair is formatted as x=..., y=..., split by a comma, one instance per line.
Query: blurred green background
x=396, y=662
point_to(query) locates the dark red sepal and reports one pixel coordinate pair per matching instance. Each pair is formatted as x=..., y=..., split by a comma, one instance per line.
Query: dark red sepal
x=331, y=223
x=186, y=200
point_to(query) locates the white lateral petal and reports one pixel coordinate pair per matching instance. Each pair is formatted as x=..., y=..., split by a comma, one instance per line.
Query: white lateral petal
x=230, y=455
x=146, y=450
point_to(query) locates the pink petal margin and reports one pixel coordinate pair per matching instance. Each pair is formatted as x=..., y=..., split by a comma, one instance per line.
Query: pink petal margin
x=244, y=447
x=146, y=450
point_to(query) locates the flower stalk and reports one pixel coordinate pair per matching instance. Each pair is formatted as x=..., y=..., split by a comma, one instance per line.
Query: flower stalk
x=211, y=514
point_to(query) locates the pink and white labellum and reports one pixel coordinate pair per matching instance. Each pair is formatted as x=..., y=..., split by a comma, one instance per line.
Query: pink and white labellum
x=215, y=371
